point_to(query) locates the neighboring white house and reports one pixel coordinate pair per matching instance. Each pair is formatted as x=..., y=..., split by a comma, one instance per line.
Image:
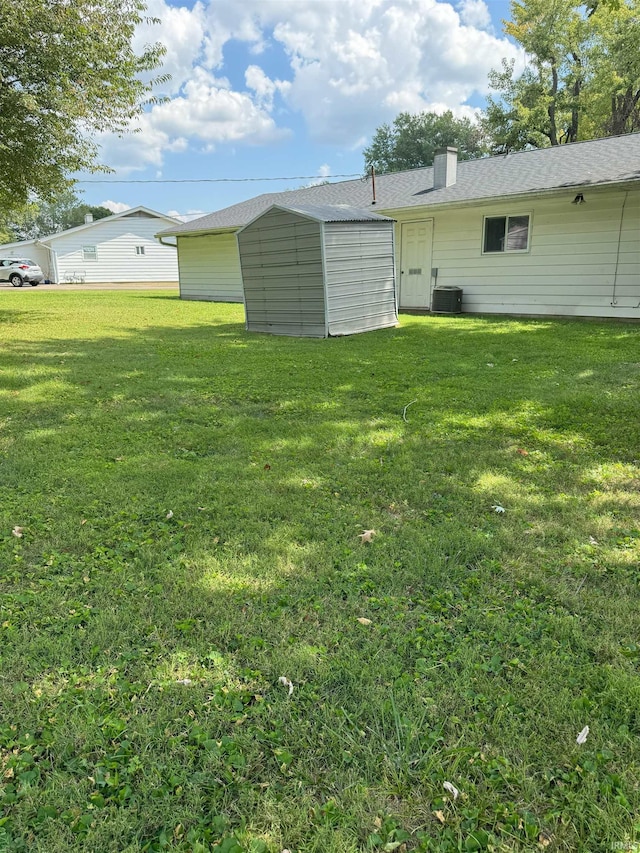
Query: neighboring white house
x=118, y=248
x=546, y=231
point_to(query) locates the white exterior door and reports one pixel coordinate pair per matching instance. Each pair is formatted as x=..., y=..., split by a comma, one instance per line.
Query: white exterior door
x=416, y=240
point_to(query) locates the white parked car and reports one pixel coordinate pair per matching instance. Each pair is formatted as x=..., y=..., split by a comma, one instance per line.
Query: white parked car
x=19, y=271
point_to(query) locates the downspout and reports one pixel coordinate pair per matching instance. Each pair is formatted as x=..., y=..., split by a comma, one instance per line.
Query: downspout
x=614, y=299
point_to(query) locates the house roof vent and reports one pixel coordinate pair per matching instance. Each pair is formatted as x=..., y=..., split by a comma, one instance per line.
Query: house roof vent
x=445, y=165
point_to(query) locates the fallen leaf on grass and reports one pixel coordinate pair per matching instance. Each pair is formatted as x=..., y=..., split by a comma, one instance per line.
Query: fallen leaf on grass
x=592, y=541
x=18, y=531
x=364, y=621
x=367, y=535
x=185, y=681
x=284, y=680
x=497, y=508
x=170, y=514
x=522, y=452
x=451, y=789
x=583, y=735
x=440, y=817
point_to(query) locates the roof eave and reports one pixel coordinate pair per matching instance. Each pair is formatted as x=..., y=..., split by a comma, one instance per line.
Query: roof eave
x=603, y=185
x=229, y=229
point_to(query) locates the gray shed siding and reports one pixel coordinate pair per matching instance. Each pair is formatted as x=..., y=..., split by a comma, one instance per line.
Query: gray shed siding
x=282, y=274
x=360, y=277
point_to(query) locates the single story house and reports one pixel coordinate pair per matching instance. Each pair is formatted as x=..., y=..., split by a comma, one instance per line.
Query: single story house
x=552, y=231
x=118, y=248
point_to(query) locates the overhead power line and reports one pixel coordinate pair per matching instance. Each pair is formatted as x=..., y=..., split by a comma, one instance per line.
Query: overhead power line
x=213, y=180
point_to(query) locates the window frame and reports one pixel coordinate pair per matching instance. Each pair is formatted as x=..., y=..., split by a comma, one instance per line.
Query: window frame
x=93, y=256
x=507, y=217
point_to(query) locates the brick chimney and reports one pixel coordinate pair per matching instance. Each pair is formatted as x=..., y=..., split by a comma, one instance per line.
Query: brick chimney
x=445, y=164
x=88, y=217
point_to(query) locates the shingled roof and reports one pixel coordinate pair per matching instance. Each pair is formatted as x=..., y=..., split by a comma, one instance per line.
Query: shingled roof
x=612, y=160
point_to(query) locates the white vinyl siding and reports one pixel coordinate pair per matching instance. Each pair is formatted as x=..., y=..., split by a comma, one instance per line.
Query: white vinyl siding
x=210, y=268
x=115, y=241
x=581, y=258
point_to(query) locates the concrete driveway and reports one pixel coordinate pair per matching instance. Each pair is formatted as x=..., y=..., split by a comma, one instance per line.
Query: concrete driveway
x=133, y=285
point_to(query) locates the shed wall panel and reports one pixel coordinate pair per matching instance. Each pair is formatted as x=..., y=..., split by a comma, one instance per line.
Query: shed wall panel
x=360, y=278
x=583, y=260
x=282, y=272
x=210, y=268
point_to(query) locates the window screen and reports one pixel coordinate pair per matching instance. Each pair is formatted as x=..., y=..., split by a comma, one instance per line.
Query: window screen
x=506, y=234
x=139, y=250
x=90, y=253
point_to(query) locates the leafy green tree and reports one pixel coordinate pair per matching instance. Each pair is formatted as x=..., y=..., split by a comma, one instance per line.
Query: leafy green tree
x=411, y=141
x=582, y=78
x=67, y=72
x=613, y=105
x=39, y=219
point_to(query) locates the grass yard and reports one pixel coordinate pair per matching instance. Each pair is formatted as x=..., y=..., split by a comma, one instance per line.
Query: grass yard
x=180, y=508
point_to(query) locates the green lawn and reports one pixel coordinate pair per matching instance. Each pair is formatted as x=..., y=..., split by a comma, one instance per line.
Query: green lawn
x=191, y=498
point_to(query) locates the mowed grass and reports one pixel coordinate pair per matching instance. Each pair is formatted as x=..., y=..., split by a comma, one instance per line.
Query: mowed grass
x=191, y=498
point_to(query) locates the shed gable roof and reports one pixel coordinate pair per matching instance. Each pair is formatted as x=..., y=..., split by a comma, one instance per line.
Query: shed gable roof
x=324, y=213
x=597, y=162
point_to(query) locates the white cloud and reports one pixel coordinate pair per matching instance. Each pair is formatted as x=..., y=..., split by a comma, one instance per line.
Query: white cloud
x=182, y=31
x=352, y=65
x=475, y=13
x=115, y=206
x=324, y=172
x=357, y=63
x=186, y=217
x=209, y=110
x=263, y=86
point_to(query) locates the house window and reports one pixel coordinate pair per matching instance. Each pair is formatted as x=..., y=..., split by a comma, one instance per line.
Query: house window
x=90, y=253
x=139, y=250
x=506, y=233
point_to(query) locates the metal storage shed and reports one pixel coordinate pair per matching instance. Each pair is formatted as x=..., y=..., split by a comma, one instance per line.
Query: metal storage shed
x=317, y=271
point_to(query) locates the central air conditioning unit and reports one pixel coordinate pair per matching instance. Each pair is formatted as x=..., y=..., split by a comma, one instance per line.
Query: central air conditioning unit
x=446, y=300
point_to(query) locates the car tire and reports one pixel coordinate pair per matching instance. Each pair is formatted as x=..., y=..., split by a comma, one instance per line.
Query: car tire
x=34, y=284
x=16, y=280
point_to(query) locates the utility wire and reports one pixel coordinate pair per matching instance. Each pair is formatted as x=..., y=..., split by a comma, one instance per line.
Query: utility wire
x=213, y=180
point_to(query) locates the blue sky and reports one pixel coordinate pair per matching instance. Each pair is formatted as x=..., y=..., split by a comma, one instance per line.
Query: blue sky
x=291, y=88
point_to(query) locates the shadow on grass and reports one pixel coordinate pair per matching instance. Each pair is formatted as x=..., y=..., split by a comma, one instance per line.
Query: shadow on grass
x=192, y=498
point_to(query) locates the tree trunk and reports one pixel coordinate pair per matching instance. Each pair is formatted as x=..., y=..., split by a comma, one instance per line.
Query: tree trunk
x=551, y=109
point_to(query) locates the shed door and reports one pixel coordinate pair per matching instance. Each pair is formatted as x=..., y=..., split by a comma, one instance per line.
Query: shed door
x=415, y=264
